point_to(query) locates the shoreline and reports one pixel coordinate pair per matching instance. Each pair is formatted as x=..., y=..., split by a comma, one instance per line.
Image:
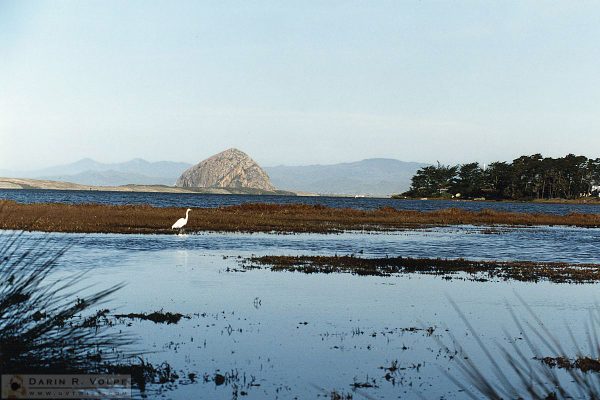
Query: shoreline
x=593, y=201
x=275, y=218
x=39, y=184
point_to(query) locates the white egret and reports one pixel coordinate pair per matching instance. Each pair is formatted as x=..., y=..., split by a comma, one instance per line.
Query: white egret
x=181, y=222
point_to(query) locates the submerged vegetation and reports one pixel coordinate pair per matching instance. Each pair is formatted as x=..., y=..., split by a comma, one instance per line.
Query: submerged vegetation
x=158, y=317
x=96, y=218
x=582, y=363
x=448, y=268
x=527, y=177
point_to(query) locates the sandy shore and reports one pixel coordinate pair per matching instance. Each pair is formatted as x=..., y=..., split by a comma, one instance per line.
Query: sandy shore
x=22, y=183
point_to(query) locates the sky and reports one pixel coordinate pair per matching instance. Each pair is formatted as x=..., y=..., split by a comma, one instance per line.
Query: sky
x=297, y=83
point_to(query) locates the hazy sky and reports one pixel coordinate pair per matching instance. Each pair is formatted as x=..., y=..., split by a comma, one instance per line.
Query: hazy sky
x=297, y=82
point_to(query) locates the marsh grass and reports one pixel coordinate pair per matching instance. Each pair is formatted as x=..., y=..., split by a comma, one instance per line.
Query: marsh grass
x=519, y=373
x=88, y=218
x=478, y=270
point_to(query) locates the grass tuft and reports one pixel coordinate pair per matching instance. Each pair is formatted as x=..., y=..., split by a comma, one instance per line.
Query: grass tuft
x=527, y=373
x=42, y=328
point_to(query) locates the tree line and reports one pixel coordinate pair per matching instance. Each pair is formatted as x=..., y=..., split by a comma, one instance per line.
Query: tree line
x=527, y=177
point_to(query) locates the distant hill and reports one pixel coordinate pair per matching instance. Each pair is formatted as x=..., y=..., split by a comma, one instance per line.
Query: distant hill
x=28, y=183
x=110, y=178
x=374, y=176
x=90, y=172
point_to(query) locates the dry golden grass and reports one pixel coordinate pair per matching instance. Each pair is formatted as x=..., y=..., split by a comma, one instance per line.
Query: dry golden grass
x=256, y=218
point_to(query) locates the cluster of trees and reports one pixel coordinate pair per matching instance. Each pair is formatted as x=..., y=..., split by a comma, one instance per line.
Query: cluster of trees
x=527, y=177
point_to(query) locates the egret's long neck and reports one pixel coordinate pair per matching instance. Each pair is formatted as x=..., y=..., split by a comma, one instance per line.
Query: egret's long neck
x=186, y=214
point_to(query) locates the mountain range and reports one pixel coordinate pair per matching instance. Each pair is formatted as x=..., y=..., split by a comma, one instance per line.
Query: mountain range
x=371, y=177
x=91, y=172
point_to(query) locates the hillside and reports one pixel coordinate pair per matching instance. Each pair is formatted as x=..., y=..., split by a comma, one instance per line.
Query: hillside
x=375, y=176
x=26, y=183
x=90, y=172
x=231, y=168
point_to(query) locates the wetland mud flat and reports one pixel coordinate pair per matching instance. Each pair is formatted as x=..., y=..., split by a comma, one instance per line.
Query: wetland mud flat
x=527, y=271
x=288, y=218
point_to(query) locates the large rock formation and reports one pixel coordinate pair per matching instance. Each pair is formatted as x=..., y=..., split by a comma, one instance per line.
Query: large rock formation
x=229, y=169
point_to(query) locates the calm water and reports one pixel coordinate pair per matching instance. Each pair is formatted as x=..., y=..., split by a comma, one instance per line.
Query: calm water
x=295, y=335
x=215, y=200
